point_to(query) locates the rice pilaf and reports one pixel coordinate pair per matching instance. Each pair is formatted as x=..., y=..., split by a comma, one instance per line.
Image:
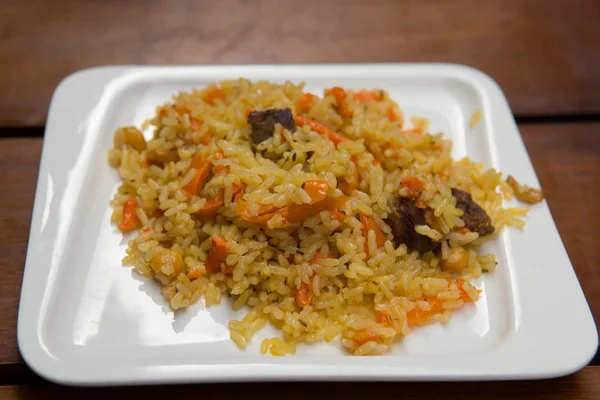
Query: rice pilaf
x=323, y=215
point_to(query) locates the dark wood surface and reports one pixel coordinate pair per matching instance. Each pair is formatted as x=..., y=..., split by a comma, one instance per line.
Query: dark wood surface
x=545, y=55
x=583, y=385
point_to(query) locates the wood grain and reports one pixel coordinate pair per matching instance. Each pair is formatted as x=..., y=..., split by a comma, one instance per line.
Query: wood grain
x=566, y=158
x=545, y=55
x=19, y=162
x=582, y=385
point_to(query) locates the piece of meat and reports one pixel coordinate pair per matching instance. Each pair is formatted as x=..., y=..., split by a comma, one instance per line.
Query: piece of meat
x=402, y=220
x=475, y=217
x=263, y=123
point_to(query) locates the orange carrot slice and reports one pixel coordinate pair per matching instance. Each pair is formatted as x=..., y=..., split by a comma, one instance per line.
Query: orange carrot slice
x=216, y=255
x=130, y=219
x=320, y=129
x=370, y=225
x=339, y=95
x=211, y=207
x=368, y=95
x=214, y=93
x=202, y=168
x=363, y=336
x=305, y=102
x=417, y=316
x=414, y=185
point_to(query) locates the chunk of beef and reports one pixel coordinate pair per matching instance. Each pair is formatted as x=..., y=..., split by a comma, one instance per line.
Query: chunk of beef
x=263, y=122
x=404, y=217
x=475, y=217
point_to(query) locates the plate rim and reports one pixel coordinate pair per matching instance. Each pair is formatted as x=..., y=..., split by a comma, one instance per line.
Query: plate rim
x=41, y=360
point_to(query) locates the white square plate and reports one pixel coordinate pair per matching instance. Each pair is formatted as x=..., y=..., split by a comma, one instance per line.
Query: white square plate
x=85, y=319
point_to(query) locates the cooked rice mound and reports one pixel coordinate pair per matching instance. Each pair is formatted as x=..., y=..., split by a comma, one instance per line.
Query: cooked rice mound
x=297, y=227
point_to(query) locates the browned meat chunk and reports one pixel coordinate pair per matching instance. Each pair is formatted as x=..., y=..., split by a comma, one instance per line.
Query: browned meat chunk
x=404, y=217
x=475, y=217
x=263, y=122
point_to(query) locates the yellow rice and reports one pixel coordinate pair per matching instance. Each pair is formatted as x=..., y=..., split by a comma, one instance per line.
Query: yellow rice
x=269, y=266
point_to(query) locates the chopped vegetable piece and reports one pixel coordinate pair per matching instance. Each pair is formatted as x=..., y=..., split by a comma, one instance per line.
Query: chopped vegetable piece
x=320, y=129
x=211, y=207
x=525, y=193
x=167, y=262
x=129, y=136
x=463, y=294
x=195, y=125
x=349, y=184
x=220, y=167
x=363, y=336
x=214, y=93
x=418, y=316
x=304, y=294
x=383, y=318
x=305, y=102
x=370, y=225
x=202, y=168
x=414, y=185
x=316, y=189
x=394, y=115
x=456, y=261
x=337, y=215
x=341, y=105
x=216, y=255
x=196, y=273
x=130, y=219
x=181, y=109
x=368, y=95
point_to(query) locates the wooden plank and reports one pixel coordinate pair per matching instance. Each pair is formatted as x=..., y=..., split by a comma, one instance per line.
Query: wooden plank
x=545, y=55
x=582, y=385
x=19, y=162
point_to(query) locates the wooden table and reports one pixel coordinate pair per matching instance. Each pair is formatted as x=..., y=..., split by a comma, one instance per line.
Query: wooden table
x=545, y=55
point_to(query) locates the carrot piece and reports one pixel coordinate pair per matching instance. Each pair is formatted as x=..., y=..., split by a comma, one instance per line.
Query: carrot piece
x=247, y=111
x=305, y=102
x=211, y=207
x=370, y=225
x=216, y=255
x=195, y=273
x=316, y=189
x=336, y=138
x=349, y=183
x=363, y=336
x=415, y=185
x=383, y=318
x=337, y=215
x=195, y=125
x=463, y=294
x=181, y=109
x=130, y=218
x=368, y=95
x=413, y=130
x=393, y=115
x=417, y=316
x=202, y=168
x=219, y=167
x=304, y=294
x=339, y=95
x=213, y=93
x=205, y=140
